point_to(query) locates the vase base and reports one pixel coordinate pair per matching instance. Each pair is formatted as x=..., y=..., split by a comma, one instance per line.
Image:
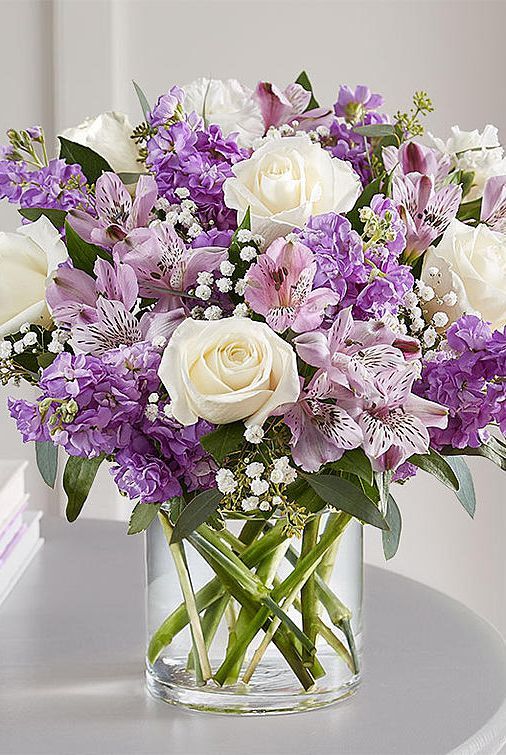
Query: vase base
x=273, y=691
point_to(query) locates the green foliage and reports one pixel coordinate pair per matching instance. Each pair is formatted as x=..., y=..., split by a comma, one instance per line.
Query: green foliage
x=465, y=493
x=143, y=100
x=142, y=516
x=195, y=513
x=470, y=211
x=82, y=254
x=46, y=454
x=57, y=217
x=92, y=164
x=301, y=493
x=355, y=462
x=78, y=478
x=363, y=201
x=345, y=496
x=494, y=450
x=223, y=441
x=375, y=130
x=391, y=536
x=434, y=464
x=303, y=80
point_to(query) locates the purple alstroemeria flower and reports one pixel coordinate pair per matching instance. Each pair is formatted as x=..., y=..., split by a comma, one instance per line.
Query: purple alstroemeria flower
x=413, y=157
x=288, y=105
x=426, y=211
x=321, y=431
x=117, y=213
x=493, y=206
x=280, y=287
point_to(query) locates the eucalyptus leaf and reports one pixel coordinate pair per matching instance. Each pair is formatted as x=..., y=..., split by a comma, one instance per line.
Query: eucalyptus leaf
x=391, y=536
x=83, y=254
x=303, y=80
x=195, y=513
x=143, y=100
x=436, y=465
x=493, y=449
x=92, y=164
x=465, y=493
x=343, y=495
x=56, y=217
x=142, y=516
x=303, y=494
x=375, y=130
x=224, y=440
x=78, y=478
x=46, y=454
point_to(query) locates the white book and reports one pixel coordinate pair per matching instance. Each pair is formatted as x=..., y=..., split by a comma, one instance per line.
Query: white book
x=12, y=488
x=20, y=552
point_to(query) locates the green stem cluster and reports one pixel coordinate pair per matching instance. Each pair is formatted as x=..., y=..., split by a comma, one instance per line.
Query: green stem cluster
x=249, y=596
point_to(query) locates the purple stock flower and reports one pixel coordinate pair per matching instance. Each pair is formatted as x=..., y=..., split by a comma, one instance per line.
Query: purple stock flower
x=353, y=105
x=56, y=186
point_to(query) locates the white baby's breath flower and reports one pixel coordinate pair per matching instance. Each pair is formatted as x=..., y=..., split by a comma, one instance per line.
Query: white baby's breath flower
x=254, y=434
x=159, y=342
x=240, y=287
x=277, y=476
x=24, y=328
x=167, y=410
x=241, y=310
x=203, y=292
x=151, y=412
x=259, y=486
x=224, y=285
x=250, y=502
x=5, y=349
x=19, y=347
x=213, y=312
x=290, y=476
x=430, y=337
x=248, y=253
x=450, y=299
x=410, y=299
x=225, y=481
x=182, y=192
x=244, y=235
x=55, y=347
x=205, y=279
x=153, y=398
x=264, y=506
x=277, y=500
x=30, y=339
x=439, y=319
x=227, y=268
x=255, y=469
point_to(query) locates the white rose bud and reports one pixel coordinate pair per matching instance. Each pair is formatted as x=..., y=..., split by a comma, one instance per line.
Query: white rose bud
x=286, y=181
x=228, y=370
x=472, y=265
x=109, y=135
x=28, y=259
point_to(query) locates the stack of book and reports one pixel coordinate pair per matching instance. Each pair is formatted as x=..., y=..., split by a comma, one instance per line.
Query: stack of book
x=19, y=528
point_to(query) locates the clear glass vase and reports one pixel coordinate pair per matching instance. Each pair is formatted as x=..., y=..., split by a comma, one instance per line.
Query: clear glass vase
x=274, y=642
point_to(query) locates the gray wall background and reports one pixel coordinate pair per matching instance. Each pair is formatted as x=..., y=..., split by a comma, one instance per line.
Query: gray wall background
x=62, y=60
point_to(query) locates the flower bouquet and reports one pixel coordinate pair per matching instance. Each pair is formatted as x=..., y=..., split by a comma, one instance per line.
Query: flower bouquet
x=262, y=314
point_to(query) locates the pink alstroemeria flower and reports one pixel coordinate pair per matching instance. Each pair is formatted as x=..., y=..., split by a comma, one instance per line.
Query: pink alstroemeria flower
x=493, y=206
x=394, y=421
x=280, y=287
x=117, y=213
x=321, y=431
x=425, y=211
x=285, y=106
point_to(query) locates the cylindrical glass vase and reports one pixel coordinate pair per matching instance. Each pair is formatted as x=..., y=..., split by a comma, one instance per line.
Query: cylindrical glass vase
x=285, y=639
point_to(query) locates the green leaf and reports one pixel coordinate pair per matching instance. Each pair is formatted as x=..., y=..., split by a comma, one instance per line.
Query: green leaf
x=195, y=513
x=78, y=478
x=434, y=464
x=46, y=454
x=142, y=516
x=465, y=493
x=57, y=217
x=82, y=254
x=493, y=449
x=142, y=99
x=303, y=80
x=375, y=130
x=392, y=536
x=45, y=359
x=364, y=200
x=130, y=178
x=303, y=494
x=92, y=164
x=355, y=462
x=343, y=495
x=470, y=210
x=224, y=440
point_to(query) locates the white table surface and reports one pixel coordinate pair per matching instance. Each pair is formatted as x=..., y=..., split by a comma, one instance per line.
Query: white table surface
x=71, y=669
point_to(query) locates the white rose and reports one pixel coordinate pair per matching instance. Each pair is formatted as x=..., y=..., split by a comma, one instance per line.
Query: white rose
x=228, y=370
x=109, y=134
x=471, y=151
x=288, y=180
x=471, y=262
x=228, y=104
x=27, y=260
